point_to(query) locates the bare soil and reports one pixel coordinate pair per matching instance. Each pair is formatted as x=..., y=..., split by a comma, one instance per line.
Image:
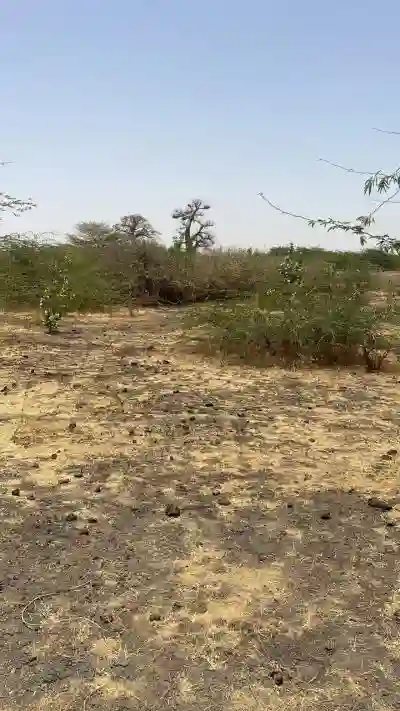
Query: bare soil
x=177, y=534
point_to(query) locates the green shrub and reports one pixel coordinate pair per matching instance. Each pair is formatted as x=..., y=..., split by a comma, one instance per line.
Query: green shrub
x=305, y=315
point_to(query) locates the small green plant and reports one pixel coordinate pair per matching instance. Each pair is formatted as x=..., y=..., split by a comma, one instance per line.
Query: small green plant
x=56, y=299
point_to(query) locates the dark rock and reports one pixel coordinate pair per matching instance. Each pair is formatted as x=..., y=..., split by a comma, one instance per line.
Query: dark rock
x=209, y=404
x=224, y=500
x=35, y=465
x=64, y=480
x=16, y=491
x=97, y=489
x=166, y=362
x=72, y=426
x=330, y=646
x=131, y=432
x=192, y=418
x=177, y=605
x=92, y=519
x=155, y=616
x=391, y=452
x=70, y=517
x=78, y=475
x=172, y=510
x=325, y=515
x=54, y=455
x=4, y=389
x=376, y=503
x=31, y=497
x=277, y=677
x=83, y=532
x=289, y=505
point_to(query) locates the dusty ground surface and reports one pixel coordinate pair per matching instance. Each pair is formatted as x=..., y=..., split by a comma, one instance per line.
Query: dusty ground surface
x=277, y=586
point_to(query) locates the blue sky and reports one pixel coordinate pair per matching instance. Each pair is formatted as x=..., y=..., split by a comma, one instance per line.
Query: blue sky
x=117, y=106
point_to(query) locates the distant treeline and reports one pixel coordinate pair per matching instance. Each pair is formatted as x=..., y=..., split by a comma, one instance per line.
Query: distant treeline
x=125, y=273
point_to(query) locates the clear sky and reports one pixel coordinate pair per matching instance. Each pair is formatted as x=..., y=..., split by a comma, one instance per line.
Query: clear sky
x=117, y=106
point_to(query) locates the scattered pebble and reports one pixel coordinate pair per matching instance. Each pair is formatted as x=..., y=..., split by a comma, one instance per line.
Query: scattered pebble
x=78, y=475
x=64, y=480
x=72, y=426
x=31, y=497
x=325, y=515
x=70, y=517
x=172, y=510
x=376, y=503
x=155, y=617
x=92, y=519
x=97, y=489
x=277, y=677
x=16, y=491
x=54, y=455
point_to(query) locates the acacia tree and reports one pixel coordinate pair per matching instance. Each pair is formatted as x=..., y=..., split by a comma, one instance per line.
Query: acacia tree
x=135, y=228
x=387, y=188
x=90, y=234
x=194, y=232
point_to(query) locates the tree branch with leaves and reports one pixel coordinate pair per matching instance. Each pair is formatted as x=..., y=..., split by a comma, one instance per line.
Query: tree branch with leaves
x=387, y=188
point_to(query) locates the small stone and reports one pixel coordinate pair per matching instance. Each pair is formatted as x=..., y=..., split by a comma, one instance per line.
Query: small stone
x=391, y=452
x=241, y=414
x=325, y=515
x=31, y=497
x=5, y=389
x=70, y=517
x=78, y=475
x=72, y=426
x=277, y=678
x=83, y=532
x=209, y=404
x=376, y=503
x=54, y=455
x=177, y=605
x=329, y=646
x=98, y=489
x=172, y=510
x=64, y=480
x=35, y=465
x=92, y=519
x=223, y=500
x=16, y=491
x=166, y=362
x=131, y=432
x=155, y=617
x=289, y=506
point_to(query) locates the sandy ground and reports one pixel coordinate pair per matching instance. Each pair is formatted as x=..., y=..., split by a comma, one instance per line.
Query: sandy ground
x=180, y=534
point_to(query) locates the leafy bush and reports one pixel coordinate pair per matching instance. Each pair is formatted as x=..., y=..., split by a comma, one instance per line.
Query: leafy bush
x=306, y=315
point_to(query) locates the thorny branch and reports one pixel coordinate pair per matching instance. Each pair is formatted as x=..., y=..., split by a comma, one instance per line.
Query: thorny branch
x=376, y=181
